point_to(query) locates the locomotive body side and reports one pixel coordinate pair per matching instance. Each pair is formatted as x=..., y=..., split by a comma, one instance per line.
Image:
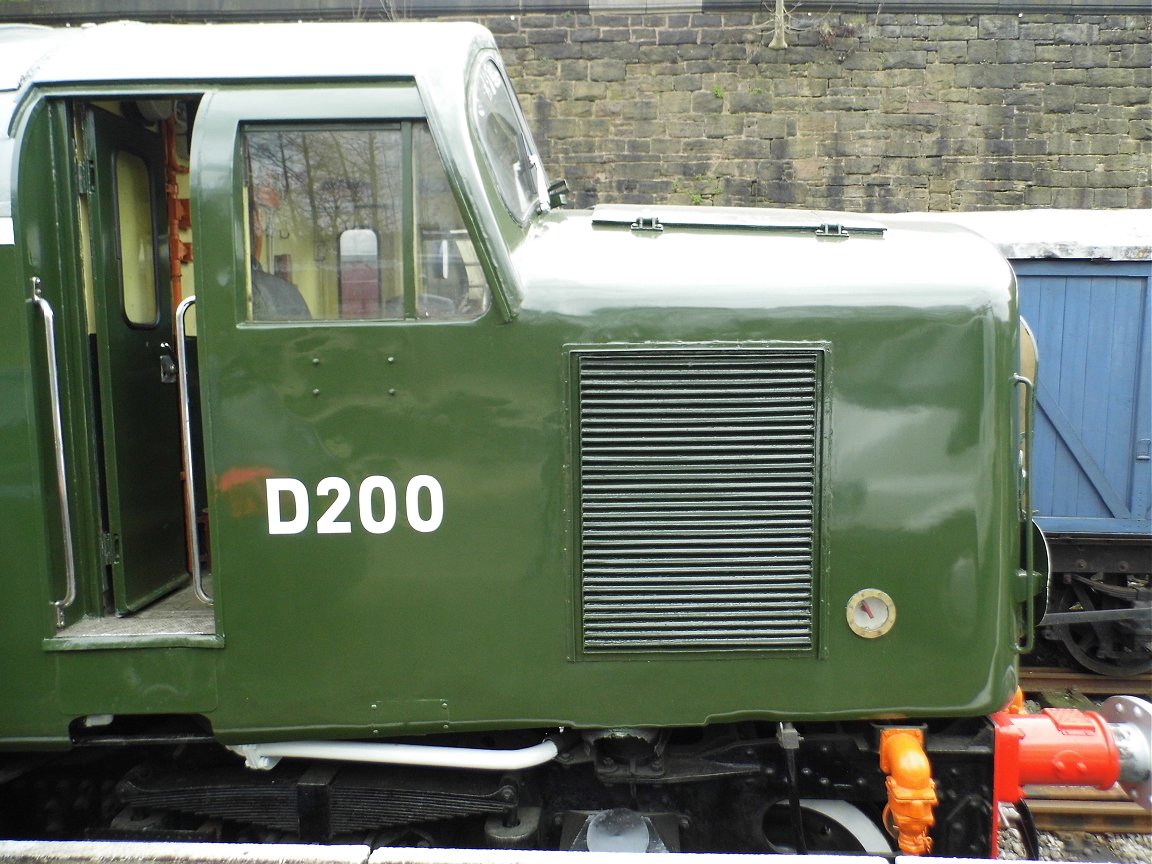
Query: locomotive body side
x=475, y=425
x=427, y=457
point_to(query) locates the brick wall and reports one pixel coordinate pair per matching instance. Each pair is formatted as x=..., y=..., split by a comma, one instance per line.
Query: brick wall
x=862, y=112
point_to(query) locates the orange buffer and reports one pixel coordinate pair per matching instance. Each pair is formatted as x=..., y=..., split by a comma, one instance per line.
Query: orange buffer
x=911, y=790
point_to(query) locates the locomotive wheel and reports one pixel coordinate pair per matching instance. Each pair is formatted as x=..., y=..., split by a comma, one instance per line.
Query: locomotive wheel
x=829, y=826
x=1104, y=647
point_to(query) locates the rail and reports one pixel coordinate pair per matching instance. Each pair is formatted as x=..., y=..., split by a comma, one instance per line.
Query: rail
x=1061, y=809
x=1038, y=679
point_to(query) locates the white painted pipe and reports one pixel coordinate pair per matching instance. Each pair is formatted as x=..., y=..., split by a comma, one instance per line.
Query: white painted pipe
x=265, y=756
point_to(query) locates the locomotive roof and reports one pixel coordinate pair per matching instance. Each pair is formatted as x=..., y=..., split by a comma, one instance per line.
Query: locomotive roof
x=127, y=51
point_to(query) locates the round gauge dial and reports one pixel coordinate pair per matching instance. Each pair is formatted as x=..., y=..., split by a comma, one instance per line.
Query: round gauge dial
x=871, y=613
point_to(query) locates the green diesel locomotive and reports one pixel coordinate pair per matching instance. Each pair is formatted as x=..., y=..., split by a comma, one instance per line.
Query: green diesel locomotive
x=353, y=488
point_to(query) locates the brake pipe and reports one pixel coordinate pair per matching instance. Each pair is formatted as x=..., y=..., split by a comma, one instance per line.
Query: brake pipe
x=262, y=757
x=911, y=790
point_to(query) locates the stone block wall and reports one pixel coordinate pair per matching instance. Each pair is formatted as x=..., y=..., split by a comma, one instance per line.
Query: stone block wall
x=861, y=112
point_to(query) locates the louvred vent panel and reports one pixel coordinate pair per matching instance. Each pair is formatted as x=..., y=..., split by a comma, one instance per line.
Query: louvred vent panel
x=697, y=482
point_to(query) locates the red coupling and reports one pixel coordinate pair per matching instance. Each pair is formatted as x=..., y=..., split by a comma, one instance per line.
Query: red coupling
x=1066, y=747
x=1057, y=747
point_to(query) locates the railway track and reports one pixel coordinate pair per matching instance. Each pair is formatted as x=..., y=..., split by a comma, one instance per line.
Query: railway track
x=1066, y=809
x=1061, y=809
x=1041, y=681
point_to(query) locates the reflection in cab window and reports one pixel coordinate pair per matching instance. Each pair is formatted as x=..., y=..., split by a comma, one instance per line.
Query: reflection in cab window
x=356, y=223
x=450, y=281
x=359, y=273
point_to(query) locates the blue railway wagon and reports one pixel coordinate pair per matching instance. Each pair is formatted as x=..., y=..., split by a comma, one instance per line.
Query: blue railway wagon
x=1090, y=460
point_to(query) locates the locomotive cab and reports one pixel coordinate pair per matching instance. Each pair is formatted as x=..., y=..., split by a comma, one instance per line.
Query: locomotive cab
x=351, y=218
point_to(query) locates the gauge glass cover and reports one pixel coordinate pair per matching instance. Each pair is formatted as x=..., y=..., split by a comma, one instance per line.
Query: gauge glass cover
x=871, y=613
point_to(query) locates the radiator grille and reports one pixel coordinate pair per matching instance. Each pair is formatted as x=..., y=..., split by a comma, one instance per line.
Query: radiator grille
x=697, y=477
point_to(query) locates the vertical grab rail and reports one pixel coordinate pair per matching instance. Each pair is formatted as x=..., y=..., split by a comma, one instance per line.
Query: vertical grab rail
x=45, y=310
x=186, y=452
x=1024, y=503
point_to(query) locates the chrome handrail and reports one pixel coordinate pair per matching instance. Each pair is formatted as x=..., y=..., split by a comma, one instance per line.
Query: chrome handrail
x=186, y=452
x=45, y=309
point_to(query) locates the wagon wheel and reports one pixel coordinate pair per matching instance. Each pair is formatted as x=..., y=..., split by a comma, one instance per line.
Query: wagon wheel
x=1104, y=647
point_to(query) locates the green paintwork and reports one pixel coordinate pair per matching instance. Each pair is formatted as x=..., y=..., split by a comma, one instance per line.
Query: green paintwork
x=474, y=625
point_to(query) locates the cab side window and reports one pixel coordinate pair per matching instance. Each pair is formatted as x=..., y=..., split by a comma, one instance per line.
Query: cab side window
x=355, y=223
